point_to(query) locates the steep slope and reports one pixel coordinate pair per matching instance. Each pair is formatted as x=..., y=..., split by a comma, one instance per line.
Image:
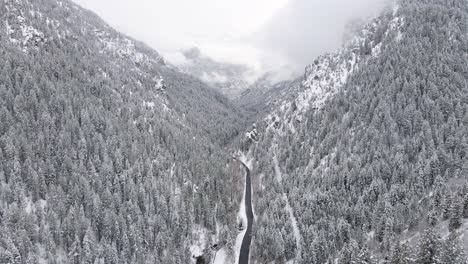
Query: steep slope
x=265, y=95
x=107, y=153
x=371, y=147
x=63, y=25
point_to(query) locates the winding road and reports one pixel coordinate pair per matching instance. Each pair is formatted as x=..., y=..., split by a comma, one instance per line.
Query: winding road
x=245, y=246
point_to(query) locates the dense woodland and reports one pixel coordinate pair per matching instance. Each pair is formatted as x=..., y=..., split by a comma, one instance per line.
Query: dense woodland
x=109, y=154
x=99, y=164
x=381, y=169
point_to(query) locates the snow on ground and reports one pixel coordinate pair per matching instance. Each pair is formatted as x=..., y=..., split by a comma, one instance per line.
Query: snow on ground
x=30, y=37
x=370, y=235
x=30, y=33
x=126, y=48
x=159, y=83
x=220, y=257
x=377, y=50
x=149, y=104
x=31, y=207
x=165, y=108
x=261, y=178
x=202, y=239
x=279, y=176
x=246, y=159
x=253, y=134
x=201, y=235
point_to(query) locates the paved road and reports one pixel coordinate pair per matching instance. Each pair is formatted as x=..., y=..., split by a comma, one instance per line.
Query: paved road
x=245, y=247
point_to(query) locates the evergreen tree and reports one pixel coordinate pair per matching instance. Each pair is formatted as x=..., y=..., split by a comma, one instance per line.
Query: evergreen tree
x=452, y=251
x=363, y=257
x=399, y=254
x=456, y=213
x=429, y=251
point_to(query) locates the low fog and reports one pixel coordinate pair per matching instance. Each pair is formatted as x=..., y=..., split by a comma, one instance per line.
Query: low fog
x=282, y=36
x=304, y=29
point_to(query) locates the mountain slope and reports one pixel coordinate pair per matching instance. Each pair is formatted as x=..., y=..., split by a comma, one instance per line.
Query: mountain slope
x=368, y=142
x=107, y=152
x=63, y=27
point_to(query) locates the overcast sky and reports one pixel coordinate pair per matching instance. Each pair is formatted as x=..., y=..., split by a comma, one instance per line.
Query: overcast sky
x=261, y=33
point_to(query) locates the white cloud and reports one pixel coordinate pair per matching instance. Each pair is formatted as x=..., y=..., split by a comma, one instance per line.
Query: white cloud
x=216, y=26
x=265, y=34
x=304, y=29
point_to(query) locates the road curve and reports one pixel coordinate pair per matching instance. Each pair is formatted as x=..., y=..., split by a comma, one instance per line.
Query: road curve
x=245, y=247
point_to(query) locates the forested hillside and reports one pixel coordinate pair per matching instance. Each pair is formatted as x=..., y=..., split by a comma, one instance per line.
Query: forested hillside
x=108, y=154
x=370, y=155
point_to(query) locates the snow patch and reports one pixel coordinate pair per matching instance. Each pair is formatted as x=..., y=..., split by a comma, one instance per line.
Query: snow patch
x=22, y=34
x=31, y=207
x=260, y=180
x=324, y=80
x=377, y=50
x=149, y=105
x=253, y=134
x=247, y=159
x=9, y=29
x=220, y=257
x=279, y=176
x=159, y=83
x=399, y=36
x=124, y=48
x=165, y=108
x=198, y=244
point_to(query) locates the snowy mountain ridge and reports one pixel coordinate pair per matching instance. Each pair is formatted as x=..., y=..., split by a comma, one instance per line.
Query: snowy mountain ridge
x=19, y=31
x=25, y=30
x=330, y=72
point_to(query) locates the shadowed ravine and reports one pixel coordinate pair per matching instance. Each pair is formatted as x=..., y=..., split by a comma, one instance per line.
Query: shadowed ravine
x=245, y=247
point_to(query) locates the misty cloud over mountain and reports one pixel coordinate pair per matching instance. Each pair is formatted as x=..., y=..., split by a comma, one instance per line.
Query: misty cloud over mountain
x=305, y=29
